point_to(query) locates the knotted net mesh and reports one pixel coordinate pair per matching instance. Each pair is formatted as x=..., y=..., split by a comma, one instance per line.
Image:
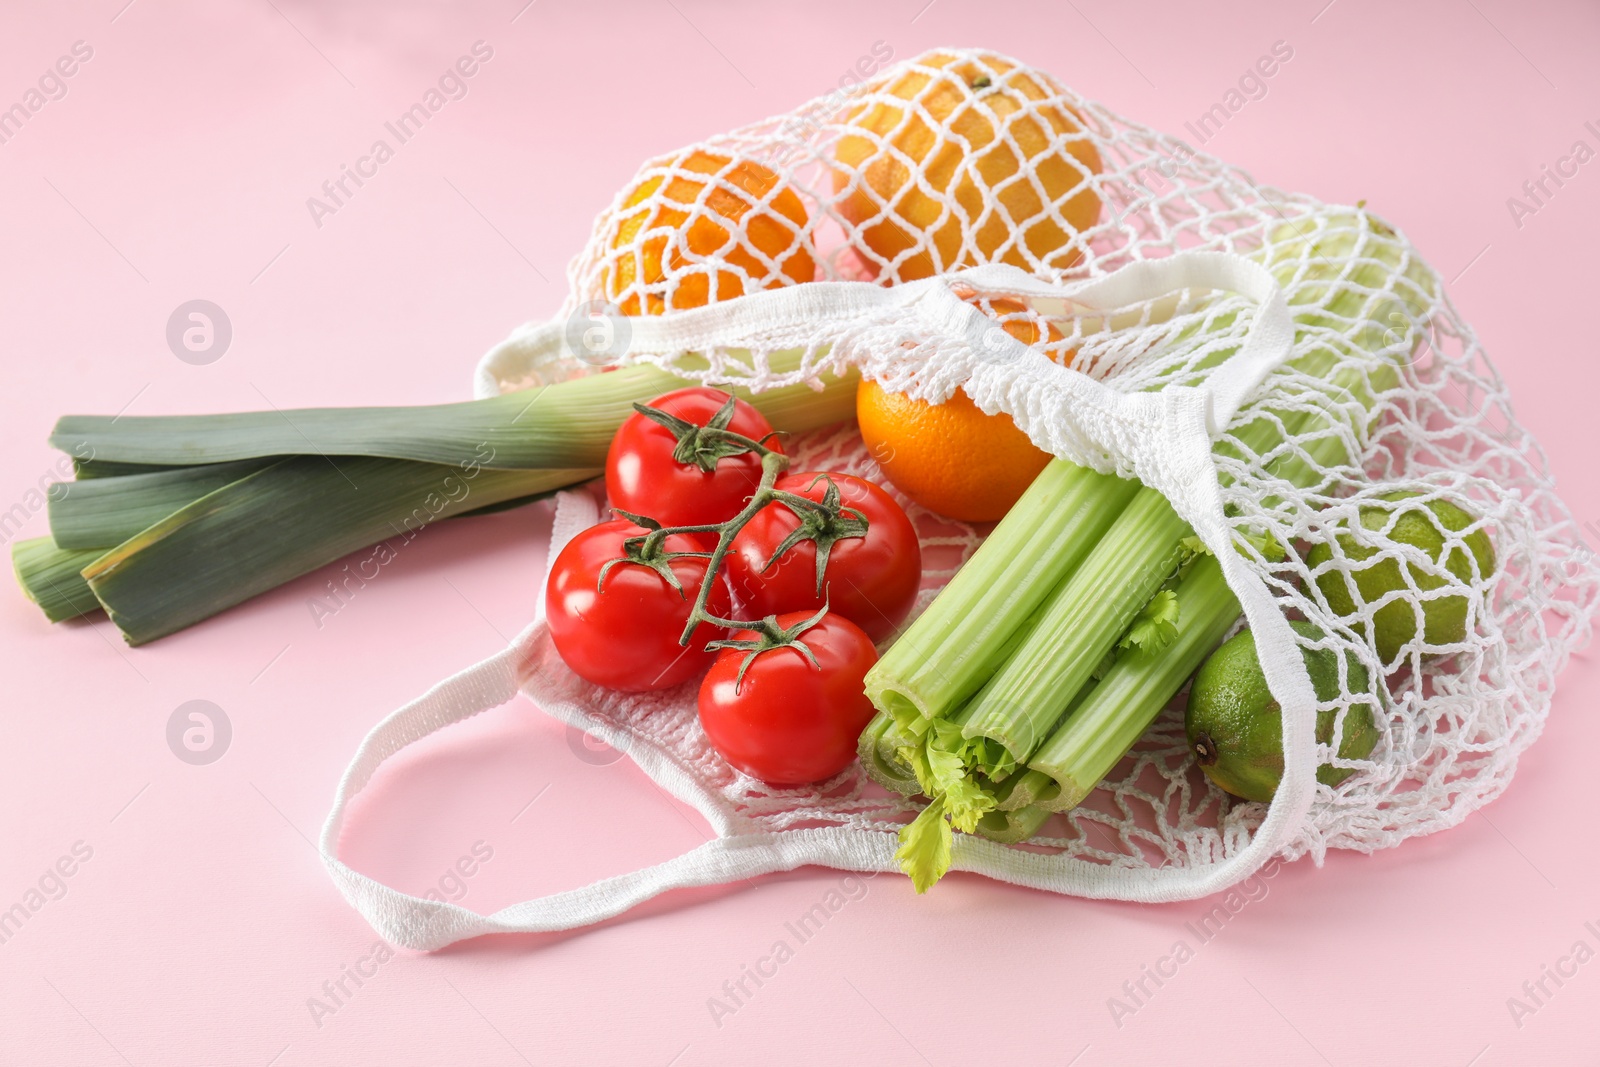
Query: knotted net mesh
x=959, y=159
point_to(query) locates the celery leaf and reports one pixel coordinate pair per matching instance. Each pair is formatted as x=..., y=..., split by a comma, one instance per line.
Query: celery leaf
x=967, y=802
x=1269, y=547
x=944, y=750
x=924, y=852
x=1156, y=626
x=915, y=756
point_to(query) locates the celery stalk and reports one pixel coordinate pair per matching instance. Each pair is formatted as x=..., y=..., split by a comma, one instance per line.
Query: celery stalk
x=945, y=656
x=1135, y=688
x=879, y=747
x=1336, y=306
x=1079, y=625
x=1028, y=789
x=1118, y=709
x=1083, y=620
x=1013, y=825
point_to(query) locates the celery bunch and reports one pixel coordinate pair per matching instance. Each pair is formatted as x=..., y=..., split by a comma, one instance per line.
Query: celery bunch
x=1053, y=649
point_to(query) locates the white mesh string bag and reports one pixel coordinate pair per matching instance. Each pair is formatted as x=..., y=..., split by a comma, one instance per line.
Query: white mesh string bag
x=955, y=208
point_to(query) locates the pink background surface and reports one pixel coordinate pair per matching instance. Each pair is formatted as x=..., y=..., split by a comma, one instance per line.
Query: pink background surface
x=177, y=167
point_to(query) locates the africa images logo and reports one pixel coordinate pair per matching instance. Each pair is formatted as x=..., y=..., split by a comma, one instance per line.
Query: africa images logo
x=51, y=86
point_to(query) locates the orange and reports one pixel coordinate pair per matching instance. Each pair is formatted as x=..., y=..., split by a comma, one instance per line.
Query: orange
x=702, y=227
x=953, y=458
x=979, y=127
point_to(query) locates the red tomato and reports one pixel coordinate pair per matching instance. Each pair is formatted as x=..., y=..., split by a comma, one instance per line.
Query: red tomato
x=789, y=722
x=871, y=580
x=642, y=476
x=624, y=633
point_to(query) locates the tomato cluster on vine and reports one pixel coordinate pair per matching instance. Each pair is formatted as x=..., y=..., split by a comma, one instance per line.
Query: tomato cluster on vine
x=779, y=582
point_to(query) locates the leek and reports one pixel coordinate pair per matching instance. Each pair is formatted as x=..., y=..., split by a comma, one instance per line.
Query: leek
x=85, y=469
x=104, y=511
x=50, y=577
x=96, y=515
x=241, y=540
x=566, y=425
x=189, y=515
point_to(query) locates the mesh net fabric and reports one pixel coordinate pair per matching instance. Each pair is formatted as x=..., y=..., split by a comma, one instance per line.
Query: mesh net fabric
x=907, y=178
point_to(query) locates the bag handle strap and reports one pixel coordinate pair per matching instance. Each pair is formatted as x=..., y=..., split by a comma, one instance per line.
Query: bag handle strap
x=420, y=923
x=425, y=925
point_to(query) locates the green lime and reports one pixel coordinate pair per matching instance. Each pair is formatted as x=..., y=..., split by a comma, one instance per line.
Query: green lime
x=1426, y=527
x=1234, y=727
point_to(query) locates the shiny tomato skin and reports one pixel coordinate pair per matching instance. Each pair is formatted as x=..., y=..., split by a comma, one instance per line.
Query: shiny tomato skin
x=643, y=478
x=790, y=723
x=625, y=635
x=871, y=580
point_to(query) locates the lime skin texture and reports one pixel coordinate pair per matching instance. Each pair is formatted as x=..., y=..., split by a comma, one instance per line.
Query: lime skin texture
x=1233, y=722
x=1428, y=527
